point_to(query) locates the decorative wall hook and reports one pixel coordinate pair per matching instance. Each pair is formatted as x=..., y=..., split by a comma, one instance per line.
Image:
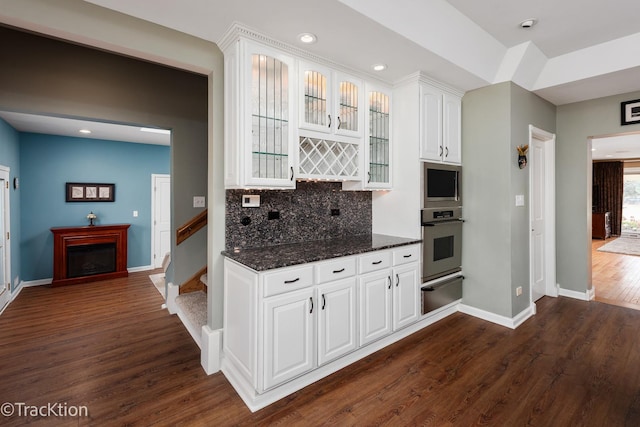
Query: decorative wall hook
x=522, y=155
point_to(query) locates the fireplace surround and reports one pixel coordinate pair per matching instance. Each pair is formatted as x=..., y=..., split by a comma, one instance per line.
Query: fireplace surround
x=89, y=253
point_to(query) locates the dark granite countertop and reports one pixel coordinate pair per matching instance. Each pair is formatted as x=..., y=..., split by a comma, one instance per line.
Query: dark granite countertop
x=277, y=256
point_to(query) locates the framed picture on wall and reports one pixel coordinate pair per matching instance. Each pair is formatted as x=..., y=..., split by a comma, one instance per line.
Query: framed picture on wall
x=90, y=192
x=630, y=112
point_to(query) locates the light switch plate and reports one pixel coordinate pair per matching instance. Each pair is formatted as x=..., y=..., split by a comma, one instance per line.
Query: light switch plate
x=520, y=200
x=250, y=201
x=198, y=201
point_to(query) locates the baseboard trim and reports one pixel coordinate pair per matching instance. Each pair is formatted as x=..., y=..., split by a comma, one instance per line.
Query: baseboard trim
x=172, y=292
x=587, y=295
x=21, y=285
x=211, y=349
x=140, y=268
x=509, y=322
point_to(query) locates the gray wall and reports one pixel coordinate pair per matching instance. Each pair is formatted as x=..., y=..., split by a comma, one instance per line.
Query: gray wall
x=495, y=254
x=526, y=109
x=41, y=75
x=576, y=123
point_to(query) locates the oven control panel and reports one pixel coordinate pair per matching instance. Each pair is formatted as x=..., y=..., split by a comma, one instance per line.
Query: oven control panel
x=435, y=214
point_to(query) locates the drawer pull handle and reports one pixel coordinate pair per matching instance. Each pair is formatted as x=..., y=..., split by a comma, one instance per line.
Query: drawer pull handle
x=377, y=262
x=338, y=271
x=292, y=281
x=407, y=256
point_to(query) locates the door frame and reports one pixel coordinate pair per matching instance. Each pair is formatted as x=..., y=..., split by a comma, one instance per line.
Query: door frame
x=155, y=176
x=549, y=147
x=5, y=175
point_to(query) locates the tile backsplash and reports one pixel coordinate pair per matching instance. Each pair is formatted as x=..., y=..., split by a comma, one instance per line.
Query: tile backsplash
x=313, y=211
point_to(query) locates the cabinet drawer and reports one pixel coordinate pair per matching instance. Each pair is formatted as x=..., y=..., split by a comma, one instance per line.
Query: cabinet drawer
x=337, y=269
x=406, y=254
x=287, y=280
x=374, y=261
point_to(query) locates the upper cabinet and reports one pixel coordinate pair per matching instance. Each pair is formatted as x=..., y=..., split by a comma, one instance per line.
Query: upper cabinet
x=260, y=126
x=330, y=102
x=440, y=122
x=376, y=148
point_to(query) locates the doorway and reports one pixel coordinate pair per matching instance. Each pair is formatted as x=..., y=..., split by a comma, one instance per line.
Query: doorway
x=615, y=248
x=542, y=244
x=5, y=248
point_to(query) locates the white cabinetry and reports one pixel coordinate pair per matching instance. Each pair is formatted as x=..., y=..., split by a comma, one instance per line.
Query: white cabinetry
x=440, y=122
x=259, y=124
x=330, y=102
x=289, y=336
x=406, y=286
x=336, y=319
x=288, y=327
x=376, y=150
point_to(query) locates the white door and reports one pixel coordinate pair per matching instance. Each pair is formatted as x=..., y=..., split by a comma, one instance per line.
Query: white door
x=289, y=336
x=161, y=218
x=5, y=253
x=542, y=214
x=375, y=306
x=336, y=319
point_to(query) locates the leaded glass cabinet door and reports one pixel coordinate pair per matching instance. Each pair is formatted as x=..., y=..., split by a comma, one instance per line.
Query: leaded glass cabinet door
x=271, y=132
x=348, y=106
x=379, y=141
x=315, y=98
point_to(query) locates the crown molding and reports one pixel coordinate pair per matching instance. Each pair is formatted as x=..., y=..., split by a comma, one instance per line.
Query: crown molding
x=421, y=77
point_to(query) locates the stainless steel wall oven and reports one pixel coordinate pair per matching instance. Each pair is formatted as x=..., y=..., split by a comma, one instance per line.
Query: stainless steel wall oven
x=441, y=219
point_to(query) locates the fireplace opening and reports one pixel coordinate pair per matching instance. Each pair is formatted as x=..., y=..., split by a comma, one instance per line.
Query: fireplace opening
x=87, y=260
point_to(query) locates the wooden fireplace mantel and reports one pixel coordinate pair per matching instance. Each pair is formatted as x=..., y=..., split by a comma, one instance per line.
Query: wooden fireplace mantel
x=66, y=237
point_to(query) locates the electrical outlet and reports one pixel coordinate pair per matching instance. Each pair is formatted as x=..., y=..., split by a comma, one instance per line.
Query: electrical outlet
x=519, y=291
x=335, y=212
x=198, y=201
x=274, y=215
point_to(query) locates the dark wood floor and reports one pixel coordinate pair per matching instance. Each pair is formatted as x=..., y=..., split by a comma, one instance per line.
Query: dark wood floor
x=110, y=347
x=615, y=277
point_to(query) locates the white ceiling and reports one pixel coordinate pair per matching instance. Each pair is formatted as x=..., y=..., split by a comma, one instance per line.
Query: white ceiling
x=71, y=127
x=579, y=49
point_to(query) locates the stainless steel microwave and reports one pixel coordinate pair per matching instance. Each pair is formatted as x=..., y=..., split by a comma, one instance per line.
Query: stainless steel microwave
x=442, y=185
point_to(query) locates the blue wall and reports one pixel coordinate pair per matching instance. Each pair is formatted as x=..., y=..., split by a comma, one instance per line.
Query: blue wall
x=10, y=157
x=47, y=162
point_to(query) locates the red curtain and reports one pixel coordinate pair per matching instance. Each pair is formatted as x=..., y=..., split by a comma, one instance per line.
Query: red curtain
x=608, y=188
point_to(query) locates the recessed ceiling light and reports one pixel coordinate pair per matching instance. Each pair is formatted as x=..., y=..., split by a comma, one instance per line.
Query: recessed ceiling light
x=528, y=23
x=156, y=130
x=86, y=131
x=379, y=67
x=307, y=38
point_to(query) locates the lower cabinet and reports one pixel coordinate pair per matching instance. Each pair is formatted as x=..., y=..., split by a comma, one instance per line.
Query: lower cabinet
x=375, y=306
x=282, y=324
x=289, y=336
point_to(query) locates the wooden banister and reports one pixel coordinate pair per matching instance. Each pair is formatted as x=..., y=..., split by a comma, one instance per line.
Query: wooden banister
x=191, y=227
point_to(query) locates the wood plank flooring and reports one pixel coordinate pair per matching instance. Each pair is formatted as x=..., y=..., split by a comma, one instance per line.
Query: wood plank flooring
x=616, y=277
x=110, y=347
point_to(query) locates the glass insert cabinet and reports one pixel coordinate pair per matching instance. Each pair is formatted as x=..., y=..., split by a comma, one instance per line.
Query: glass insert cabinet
x=379, y=159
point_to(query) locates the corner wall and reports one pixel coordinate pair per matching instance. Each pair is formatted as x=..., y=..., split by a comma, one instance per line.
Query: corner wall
x=495, y=257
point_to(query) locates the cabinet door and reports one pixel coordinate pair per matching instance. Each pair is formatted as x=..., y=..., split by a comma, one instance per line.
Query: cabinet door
x=452, y=111
x=315, y=98
x=288, y=336
x=348, y=106
x=431, y=147
x=378, y=153
x=336, y=319
x=406, y=295
x=375, y=306
x=268, y=100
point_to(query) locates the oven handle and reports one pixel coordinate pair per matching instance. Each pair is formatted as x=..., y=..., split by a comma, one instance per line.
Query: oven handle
x=433, y=224
x=431, y=288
